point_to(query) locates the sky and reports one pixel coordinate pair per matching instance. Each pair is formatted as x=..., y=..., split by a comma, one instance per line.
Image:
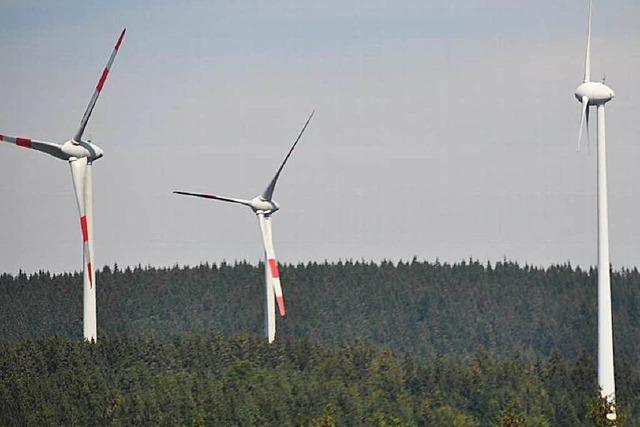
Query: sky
x=443, y=130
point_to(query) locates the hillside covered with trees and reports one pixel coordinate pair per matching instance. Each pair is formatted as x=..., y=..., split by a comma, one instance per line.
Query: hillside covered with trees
x=420, y=307
x=212, y=380
x=409, y=343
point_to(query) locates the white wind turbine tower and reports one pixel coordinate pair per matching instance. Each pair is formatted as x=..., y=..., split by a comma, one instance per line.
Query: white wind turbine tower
x=598, y=94
x=264, y=206
x=80, y=154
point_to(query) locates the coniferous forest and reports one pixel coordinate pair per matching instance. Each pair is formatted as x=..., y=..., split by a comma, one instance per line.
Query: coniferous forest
x=408, y=343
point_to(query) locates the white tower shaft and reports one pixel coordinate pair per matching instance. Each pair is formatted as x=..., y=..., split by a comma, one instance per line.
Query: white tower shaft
x=269, y=310
x=606, y=379
x=83, y=187
x=89, y=283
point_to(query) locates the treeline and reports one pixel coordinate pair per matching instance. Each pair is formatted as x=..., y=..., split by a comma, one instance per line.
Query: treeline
x=212, y=380
x=421, y=307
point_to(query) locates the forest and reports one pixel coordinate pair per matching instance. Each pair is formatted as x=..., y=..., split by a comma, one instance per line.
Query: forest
x=242, y=380
x=363, y=343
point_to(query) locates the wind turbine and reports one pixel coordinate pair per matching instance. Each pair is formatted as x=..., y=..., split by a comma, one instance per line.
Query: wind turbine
x=80, y=154
x=264, y=206
x=597, y=94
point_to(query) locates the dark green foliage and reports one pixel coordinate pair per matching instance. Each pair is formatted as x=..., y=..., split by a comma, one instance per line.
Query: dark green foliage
x=418, y=306
x=212, y=380
x=464, y=345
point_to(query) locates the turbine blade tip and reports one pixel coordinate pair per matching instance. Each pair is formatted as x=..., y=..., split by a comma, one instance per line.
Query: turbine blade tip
x=281, y=306
x=119, y=42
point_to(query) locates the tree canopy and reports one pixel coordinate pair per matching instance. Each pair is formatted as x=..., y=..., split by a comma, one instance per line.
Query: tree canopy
x=413, y=306
x=387, y=344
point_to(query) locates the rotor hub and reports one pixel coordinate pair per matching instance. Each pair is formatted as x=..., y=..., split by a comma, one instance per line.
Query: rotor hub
x=82, y=149
x=258, y=204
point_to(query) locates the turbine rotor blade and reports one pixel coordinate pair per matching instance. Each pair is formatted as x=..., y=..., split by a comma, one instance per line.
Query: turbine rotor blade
x=268, y=192
x=79, y=176
x=103, y=78
x=587, y=59
x=211, y=196
x=583, y=119
x=587, y=128
x=271, y=263
x=46, y=147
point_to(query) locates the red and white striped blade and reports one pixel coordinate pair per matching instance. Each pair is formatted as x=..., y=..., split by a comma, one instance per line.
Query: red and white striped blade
x=96, y=93
x=45, y=147
x=81, y=176
x=271, y=263
x=277, y=287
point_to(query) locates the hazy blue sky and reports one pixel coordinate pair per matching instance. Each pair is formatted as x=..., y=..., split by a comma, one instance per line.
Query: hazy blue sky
x=443, y=129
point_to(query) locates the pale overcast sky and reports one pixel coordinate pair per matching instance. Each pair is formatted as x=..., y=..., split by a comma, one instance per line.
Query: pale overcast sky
x=443, y=129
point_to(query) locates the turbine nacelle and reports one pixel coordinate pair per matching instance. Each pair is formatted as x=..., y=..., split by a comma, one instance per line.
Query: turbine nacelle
x=82, y=149
x=260, y=205
x=597, y=93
